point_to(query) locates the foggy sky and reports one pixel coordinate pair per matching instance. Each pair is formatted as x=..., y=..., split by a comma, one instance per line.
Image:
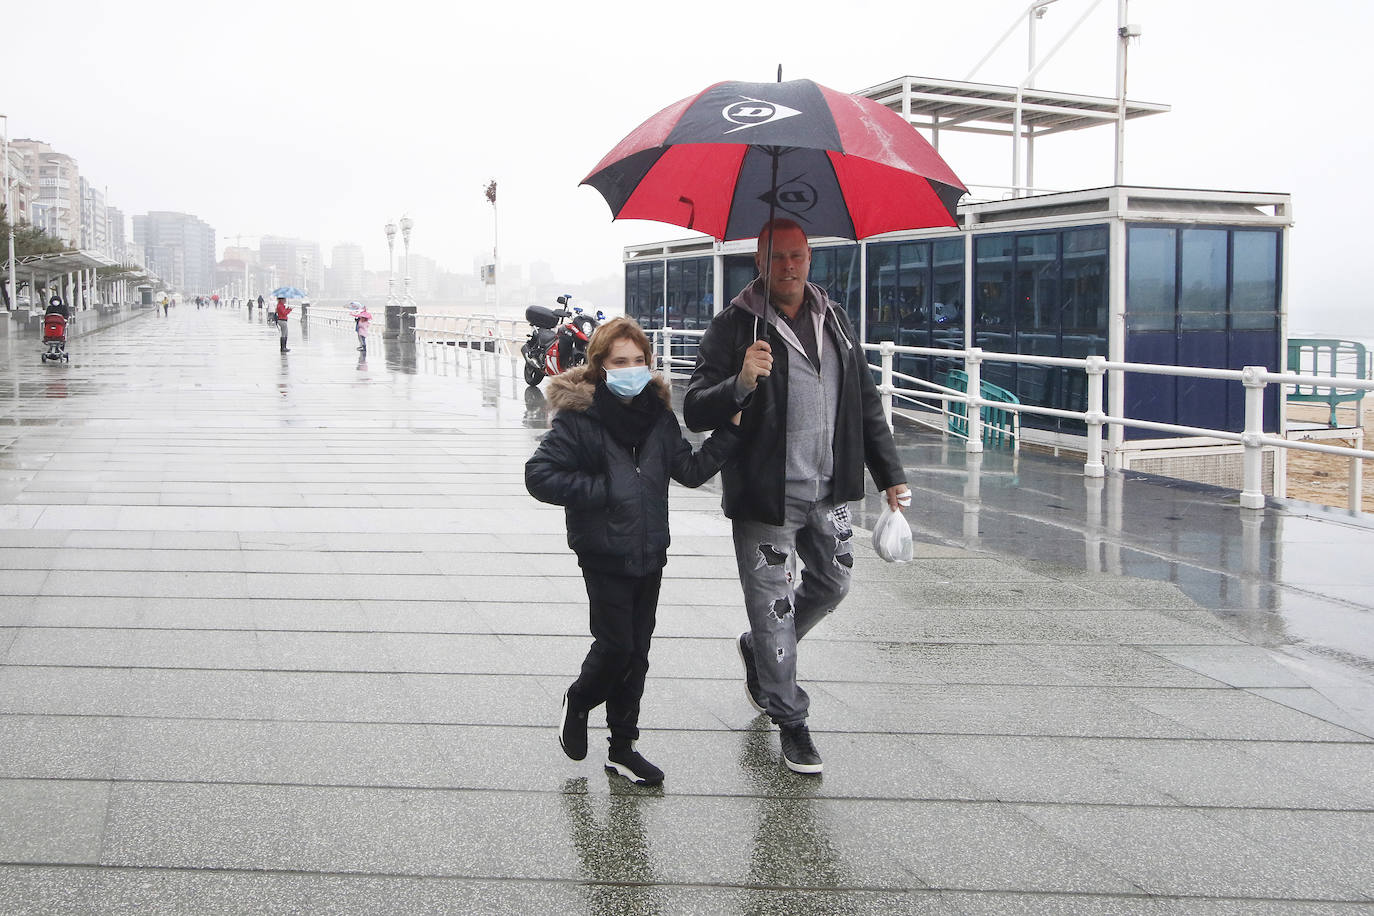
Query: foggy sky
x=325, y=120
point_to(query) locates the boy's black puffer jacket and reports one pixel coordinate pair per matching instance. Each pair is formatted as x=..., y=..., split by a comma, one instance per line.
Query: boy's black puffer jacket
x=616, y=502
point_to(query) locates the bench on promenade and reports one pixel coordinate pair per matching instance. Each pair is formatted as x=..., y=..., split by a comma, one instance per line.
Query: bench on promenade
x=1336, y=358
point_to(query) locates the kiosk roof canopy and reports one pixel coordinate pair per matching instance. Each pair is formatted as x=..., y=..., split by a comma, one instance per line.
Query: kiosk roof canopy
x=991, y=109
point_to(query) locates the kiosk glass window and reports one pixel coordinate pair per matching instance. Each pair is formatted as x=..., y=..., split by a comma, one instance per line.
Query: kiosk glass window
x=836, y=270
x=1151, y=278
x=740, y=271
x=644, y=292
x=1254, y=280
x=947, y=306
x=994, y=278
x=690, y=300
x=1202, y=280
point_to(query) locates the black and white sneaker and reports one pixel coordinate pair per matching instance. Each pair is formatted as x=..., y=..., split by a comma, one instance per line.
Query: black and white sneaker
x=798, y=752
x=752, y=690
x=628, y=762
x=572, y=729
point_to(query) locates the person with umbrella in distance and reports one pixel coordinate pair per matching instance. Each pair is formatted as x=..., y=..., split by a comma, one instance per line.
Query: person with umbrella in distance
x=789, y=358
x=283, y=310
x=362, y=320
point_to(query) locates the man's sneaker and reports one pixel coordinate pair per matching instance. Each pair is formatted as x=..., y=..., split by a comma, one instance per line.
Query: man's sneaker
x=752, y=690
x=798, y=752
x=628, y=762
x=572, y=729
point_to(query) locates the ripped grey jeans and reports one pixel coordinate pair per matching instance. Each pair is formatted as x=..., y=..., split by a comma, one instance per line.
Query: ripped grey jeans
x=783, y=608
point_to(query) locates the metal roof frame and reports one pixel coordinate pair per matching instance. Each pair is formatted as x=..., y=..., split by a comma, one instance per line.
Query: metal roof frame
x=1020, y=113
x=57, y=263
x=989, y=108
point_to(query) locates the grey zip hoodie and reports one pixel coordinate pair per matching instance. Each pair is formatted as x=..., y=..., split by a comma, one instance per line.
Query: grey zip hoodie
x=812, y=397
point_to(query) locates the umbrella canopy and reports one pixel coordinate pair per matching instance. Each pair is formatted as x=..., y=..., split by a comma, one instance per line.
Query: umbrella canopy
x=288, y=292
x=728, y=159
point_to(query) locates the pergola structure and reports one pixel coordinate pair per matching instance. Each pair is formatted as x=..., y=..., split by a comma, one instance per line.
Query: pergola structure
x=73, y=275
x=1021, y=113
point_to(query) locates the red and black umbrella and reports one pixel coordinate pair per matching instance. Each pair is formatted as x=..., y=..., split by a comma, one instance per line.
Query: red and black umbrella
x=730, y=158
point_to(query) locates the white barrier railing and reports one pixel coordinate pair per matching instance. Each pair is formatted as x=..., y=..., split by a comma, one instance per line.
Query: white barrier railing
x=1255, y=379
x=675, y=349
x=484, y=332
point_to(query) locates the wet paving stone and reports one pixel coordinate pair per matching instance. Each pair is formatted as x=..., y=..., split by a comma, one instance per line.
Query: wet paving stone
x=286, y=635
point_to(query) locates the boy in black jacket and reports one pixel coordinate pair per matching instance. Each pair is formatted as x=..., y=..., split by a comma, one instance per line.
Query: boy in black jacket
x=614, y=444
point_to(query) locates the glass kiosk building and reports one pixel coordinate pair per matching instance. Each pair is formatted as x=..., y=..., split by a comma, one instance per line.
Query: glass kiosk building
x=1138, y=274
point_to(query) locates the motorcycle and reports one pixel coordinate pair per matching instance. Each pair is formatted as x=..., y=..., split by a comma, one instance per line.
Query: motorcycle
x=553, y=348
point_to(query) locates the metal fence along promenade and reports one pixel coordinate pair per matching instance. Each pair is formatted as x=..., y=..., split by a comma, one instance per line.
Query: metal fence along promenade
x=677, y=347
x=284, y=633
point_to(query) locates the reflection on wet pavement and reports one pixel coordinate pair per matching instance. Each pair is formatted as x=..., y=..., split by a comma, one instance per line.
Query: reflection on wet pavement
x=285, y=632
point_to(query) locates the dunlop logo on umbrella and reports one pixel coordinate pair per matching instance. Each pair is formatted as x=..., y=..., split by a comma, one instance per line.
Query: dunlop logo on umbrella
x=793, y=196
x=753, y=112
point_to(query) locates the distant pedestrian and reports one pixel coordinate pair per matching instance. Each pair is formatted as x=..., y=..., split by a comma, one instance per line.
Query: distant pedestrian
x=614, y=445
x=165, y=306
x=283, y=310
x=259, y=302
x=362, y=320
x=250, y=308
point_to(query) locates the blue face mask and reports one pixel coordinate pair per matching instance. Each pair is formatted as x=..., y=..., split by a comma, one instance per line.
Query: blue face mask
x=626, y=383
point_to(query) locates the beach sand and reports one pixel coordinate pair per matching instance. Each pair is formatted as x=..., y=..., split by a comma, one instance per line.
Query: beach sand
x=1325, y=479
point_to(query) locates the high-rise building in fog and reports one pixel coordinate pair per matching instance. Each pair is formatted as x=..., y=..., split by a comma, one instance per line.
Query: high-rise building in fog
x=56, y=181
x=296, y=262
x=179, y=248
x=346, y=271
x=95, y=234
x=424, y=277
x=117, y=233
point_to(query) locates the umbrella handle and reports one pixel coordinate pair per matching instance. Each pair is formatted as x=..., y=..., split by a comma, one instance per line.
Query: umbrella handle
x=773, y=153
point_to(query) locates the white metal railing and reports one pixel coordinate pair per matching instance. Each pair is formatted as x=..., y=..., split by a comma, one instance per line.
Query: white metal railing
x=1255, y=379
x=676, y=350
x=486, y=332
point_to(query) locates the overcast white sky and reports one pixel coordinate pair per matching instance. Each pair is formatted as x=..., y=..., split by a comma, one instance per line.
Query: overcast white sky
x=324, y=120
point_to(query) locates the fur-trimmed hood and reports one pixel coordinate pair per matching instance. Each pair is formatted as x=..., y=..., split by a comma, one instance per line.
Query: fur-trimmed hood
x=573, y=390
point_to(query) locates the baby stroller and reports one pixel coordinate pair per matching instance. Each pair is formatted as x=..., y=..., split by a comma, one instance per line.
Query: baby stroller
x=55, y=338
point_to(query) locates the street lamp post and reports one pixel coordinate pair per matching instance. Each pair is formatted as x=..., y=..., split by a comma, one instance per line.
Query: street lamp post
x=393, y=312
x=305, y=287
x=407, y=304
x=9, y=217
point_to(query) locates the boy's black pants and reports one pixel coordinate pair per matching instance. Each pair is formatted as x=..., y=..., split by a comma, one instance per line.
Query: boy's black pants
x=623, y=609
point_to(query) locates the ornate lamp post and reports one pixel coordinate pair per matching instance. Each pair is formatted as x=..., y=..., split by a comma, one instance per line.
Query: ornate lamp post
x=9, y=220
x=393, y=312
x=305, y=287
x=407, y=303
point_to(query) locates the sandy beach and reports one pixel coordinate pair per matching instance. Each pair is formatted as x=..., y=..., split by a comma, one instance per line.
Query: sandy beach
x=1325, y=478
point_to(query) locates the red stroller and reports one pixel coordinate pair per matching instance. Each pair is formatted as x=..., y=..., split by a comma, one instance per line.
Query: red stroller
x=55, y=338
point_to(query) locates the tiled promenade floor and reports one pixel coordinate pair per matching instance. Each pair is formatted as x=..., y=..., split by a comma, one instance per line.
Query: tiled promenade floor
x=285, y=634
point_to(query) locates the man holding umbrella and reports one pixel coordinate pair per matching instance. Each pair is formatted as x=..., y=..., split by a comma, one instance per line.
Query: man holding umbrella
x=723, y=161
x=787, y=356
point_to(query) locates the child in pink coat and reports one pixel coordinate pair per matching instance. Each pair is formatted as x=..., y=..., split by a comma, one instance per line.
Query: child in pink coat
x=362, y=319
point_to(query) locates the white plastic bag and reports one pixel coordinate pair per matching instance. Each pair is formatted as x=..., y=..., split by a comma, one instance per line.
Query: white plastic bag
x=892, y=537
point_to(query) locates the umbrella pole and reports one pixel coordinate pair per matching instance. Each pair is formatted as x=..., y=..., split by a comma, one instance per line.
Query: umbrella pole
x=774, y=153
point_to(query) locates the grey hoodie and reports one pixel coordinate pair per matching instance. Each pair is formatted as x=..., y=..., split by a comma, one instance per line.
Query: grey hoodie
x=812, y=397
